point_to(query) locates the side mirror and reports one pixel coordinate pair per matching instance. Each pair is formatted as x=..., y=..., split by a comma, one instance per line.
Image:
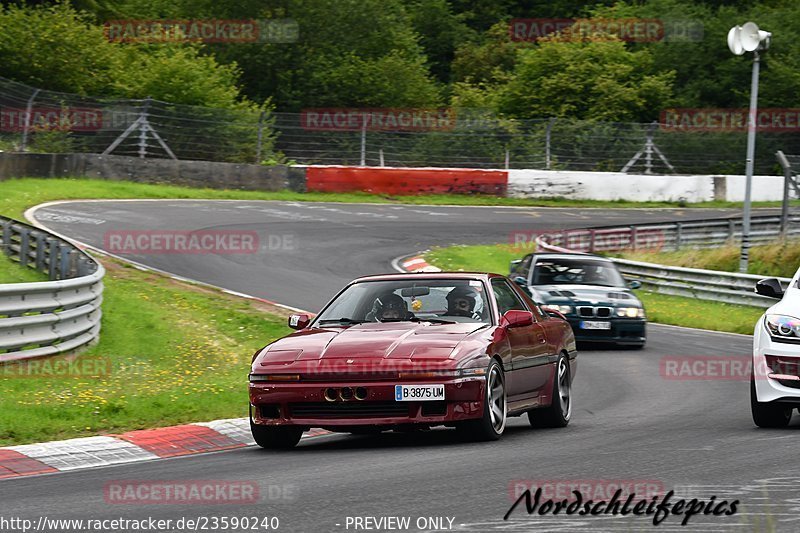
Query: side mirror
x=512, y=267
x=770, y=287
x=634, y=284
x=521, y=281
x=516, y=318
x=299, y=321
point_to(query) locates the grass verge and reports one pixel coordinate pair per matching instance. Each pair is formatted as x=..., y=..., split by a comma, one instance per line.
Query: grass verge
x=169, y=353
x=20, y=193
x=778, y=259
x=13, y=272
x=661, y=308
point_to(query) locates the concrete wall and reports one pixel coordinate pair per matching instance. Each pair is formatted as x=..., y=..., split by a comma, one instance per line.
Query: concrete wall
x=190, y=173
x=396, y=181
x=406, y=181
x=619, y=186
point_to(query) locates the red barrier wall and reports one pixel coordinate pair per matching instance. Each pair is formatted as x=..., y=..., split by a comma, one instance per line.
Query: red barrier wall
x=406, y=181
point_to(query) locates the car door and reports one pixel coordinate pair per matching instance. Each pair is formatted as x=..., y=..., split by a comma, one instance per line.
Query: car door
x=529, y=348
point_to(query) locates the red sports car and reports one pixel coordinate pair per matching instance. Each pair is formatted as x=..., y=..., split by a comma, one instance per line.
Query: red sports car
x=409, y=351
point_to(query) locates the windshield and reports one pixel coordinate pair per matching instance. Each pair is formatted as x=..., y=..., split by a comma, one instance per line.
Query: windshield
x=408, y=300
x=577, y=272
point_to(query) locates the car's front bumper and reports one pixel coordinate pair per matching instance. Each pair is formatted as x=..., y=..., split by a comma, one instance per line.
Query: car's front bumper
x=631, y=331
x=305, y=404
x=775, y=383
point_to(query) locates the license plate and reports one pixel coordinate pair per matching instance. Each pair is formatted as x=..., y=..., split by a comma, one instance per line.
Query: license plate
x=595, y=324
x=418, y=393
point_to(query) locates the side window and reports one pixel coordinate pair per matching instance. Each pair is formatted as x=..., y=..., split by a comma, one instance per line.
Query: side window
x=524, y=267
x=505, y=296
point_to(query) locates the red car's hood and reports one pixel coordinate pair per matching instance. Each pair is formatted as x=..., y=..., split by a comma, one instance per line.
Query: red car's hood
x=397, y=340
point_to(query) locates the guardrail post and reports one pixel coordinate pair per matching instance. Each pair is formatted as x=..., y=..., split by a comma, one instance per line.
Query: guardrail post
x=24, y=246
x=72, y=268
x=591, y=241
x=634, y=237
x=40, y=252
x=52, y=259
x=564, y=239
x=678, y=235
x=6, y=244
x=731, y=228
x=63, y=262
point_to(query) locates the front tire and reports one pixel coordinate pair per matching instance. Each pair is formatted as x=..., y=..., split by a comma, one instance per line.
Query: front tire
x=495, y=408
x=559, y=412
x=276, y=437
x=765, y=414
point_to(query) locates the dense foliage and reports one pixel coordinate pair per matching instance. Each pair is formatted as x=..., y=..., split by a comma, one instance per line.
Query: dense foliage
x=408, y=53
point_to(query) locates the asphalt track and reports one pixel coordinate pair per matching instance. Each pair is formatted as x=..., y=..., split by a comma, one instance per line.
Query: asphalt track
x=630, y=423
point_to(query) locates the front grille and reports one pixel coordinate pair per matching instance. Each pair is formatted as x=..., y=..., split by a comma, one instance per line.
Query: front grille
x=434, y=408
x=600, y=312
x=348, y=409
x=270, y=410
x=785, y=366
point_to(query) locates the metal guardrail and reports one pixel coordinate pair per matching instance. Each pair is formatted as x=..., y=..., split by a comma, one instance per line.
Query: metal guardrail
x=49, y=317
x=714, y=285
x=673, y=235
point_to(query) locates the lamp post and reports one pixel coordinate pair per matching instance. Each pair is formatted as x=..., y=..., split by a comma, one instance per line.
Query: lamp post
x=741, y=39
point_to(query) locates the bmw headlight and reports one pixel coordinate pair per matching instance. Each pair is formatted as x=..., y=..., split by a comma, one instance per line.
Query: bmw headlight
x=630, y=312
x=783, y=327
x=563, y=309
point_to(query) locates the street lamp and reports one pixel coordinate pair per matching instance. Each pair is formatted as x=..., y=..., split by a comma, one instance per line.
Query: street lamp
x=741, y=39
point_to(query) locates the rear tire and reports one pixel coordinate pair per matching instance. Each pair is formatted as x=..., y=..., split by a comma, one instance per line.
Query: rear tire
x=559, y=412
x=276, y=437
x=495, y=409
x=765, y=414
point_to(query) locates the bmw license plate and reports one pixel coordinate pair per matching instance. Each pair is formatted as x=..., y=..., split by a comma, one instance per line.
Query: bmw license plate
x=595, y=324
x=418, y=393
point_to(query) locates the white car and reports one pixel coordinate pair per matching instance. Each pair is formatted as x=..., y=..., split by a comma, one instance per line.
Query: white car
x=775, y=380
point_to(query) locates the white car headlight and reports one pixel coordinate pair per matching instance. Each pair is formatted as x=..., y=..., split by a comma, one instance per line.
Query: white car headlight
x=630, y=312
x=563, y=309
x=783, y=327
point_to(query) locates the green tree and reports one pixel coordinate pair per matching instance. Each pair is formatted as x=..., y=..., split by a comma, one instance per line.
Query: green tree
x=58, y=48
x=595, y=79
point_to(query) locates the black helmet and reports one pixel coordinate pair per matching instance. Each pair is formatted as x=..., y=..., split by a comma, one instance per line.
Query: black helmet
x=389, y=302
x=473, y=299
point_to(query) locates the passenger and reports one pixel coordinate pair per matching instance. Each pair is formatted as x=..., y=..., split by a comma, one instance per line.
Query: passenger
x=464, y=301
x=389, y=306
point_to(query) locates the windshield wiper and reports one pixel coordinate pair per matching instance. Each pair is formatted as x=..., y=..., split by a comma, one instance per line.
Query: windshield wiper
x=343, y=320
x=437, y=320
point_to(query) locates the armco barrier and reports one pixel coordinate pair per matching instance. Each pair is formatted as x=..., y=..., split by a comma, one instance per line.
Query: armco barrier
x=703, y=284
x=49, y=317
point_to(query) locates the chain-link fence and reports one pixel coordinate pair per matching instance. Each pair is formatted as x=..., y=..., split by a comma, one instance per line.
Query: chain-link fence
x=36, y=120
x=44, y=121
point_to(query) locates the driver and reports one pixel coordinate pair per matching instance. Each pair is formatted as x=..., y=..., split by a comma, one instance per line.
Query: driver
x=464, y=301
x=389, y=306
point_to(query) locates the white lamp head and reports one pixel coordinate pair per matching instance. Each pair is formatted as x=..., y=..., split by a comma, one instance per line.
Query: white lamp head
x=734, y=41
